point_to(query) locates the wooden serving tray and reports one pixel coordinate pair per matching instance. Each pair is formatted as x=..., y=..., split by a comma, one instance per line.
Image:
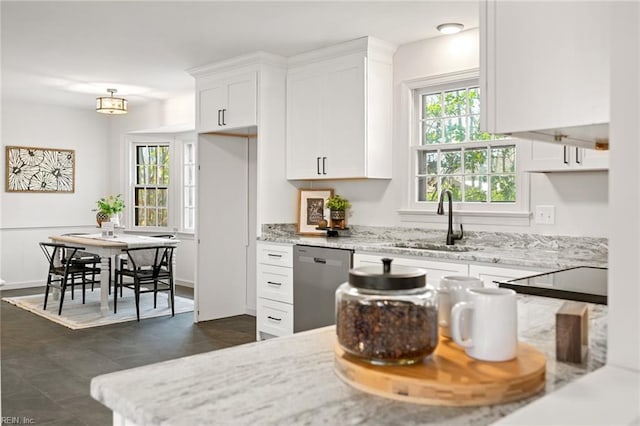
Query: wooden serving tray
x=449, y=377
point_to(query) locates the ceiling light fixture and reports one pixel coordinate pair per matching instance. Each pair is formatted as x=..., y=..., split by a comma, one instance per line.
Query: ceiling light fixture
x=111, y=104
x=450, y=28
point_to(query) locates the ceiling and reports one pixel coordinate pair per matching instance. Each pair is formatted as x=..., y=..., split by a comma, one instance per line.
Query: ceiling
x=68, y=53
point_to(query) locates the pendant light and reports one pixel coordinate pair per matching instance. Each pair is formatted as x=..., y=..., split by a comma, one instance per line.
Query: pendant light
x=111, y=104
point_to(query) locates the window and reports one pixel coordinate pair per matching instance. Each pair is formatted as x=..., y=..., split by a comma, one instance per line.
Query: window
x=450, y=152
x=163, y=182
x=189, y=186
x=151, y=187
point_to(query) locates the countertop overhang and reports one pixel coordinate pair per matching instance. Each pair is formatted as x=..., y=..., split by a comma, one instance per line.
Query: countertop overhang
x=290, y=380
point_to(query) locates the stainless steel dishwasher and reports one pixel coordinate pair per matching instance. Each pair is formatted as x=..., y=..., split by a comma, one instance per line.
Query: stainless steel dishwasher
x=317, y=273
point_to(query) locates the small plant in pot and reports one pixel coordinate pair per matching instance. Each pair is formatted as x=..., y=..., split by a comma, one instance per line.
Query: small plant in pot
x=108, y=209
x=338, y=206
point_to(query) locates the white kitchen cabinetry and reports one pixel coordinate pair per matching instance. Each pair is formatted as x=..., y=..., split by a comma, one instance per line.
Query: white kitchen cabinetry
x=550, y=157
x=274, y=289
x=489, y=274
x=544, y=69
x=339, y=112
x=226, y=103
x=434, y=269
x=244, y=166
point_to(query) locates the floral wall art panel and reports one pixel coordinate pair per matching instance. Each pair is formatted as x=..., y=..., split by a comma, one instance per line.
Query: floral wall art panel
x=30, y=169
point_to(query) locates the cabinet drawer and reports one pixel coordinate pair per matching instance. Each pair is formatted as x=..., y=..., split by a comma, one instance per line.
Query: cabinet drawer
x=274, y=254
x=275, y=283
x=275, y=318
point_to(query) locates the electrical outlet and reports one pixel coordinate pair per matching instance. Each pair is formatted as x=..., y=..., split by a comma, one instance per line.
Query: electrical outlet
x=545, y=215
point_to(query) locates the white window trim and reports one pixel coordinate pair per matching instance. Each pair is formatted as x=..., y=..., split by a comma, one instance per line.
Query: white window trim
x=181, y=206
x=176, y=180
x=518, y=214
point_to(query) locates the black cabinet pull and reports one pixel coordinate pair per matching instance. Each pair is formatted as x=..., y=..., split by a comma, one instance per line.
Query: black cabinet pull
x=578, y=156
x=324, y=165
x=274, y=255
x=219, y=112
x=274, y=283
x=223, y=113
x=565, y=155
x=318, y=165
x=274, y=318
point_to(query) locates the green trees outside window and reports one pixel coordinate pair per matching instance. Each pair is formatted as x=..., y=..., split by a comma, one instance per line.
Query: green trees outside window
x=454, y=154
x=151, y=192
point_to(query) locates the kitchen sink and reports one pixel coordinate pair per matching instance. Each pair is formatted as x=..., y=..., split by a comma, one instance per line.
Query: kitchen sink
x=421, y=245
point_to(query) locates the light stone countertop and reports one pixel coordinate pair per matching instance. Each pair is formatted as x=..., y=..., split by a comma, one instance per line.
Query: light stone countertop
x=544, y=252
x=290, y=381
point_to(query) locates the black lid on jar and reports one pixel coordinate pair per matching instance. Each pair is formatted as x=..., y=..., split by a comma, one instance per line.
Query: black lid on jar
x=384, y=277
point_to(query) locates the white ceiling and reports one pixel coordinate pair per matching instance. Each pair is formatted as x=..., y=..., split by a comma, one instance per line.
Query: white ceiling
x=69, y=52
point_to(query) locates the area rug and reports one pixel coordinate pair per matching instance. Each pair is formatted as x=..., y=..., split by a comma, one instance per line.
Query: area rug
x=76, y=316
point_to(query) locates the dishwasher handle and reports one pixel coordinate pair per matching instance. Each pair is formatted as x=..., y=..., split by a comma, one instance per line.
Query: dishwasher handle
x=320, y=260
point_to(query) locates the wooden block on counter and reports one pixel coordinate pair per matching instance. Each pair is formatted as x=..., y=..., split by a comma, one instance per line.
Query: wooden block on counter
x=572, y=332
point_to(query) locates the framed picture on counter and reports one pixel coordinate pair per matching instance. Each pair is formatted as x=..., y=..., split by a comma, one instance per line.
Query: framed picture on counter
x=312, y=209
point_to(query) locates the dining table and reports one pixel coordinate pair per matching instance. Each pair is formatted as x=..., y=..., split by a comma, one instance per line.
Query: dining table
x=109, y=247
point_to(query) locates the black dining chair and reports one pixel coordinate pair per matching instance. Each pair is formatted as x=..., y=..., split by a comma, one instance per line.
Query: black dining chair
x=122, y=259
x=64, y=270
x=91, y=260
x=151, y=271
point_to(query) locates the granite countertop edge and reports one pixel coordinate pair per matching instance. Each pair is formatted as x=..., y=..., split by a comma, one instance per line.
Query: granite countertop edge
x=542, y=258
x=234, y=384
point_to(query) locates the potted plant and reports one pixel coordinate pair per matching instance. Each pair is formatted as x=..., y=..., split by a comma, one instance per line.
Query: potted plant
x=108, y=209
x=338, y=206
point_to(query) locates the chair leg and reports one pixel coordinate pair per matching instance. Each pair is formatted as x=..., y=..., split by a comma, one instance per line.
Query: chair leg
x=155, y=294
x=63, y=291
x=73, y=286
x=137, y=290
x=116, y=283
x=173, y=301
x=46, y=292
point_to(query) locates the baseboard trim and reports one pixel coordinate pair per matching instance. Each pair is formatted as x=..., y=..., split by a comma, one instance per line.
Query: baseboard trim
x=26, y=284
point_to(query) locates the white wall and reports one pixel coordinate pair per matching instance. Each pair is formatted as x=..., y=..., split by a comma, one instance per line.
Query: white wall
x=172, y=116
x=28, y=218
x=581, y=199
x=624, y=254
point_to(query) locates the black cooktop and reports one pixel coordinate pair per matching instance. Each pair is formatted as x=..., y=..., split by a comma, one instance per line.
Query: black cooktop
x=583, y=283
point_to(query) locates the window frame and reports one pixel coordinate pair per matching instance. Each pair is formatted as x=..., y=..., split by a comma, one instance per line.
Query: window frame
x=470, y=212
x=175, y=195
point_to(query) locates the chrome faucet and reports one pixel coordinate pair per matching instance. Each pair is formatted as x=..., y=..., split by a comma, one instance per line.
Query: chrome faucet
x=451, y=236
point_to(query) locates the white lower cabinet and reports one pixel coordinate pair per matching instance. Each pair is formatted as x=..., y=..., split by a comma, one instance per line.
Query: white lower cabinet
x=274, y=318
x=489, y=274
x=434, y=269
x=274, y=288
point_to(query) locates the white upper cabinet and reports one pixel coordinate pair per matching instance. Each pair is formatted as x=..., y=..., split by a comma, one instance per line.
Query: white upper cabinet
x=548, y=157
x=226, y=103
x=545, y=70
x=339, y=112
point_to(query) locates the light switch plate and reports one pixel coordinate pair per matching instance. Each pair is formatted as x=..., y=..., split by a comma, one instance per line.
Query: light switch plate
x=545, y=215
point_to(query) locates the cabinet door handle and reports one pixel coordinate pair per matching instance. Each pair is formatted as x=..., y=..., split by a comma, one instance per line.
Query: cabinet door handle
x=274, y=283
x=578, y=156
x=274, y=255
x=274, y=318
x=565, y=155
x=318, y=165
x=223, y=111
x=324, y=165
x=219, y=113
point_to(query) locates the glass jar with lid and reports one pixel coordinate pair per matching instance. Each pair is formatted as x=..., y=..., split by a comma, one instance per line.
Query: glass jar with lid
x=387, y=315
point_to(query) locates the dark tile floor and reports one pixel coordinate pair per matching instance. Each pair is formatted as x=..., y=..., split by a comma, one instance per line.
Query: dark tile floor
x=47, y=368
